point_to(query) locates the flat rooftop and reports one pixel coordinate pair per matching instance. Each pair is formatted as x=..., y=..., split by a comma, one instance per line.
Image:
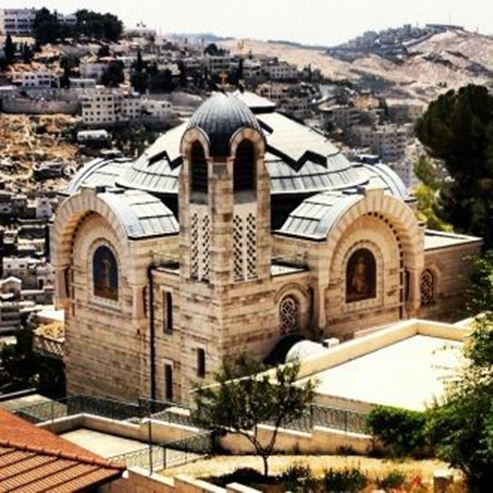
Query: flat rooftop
x=103, y=444
x=439, y=239
x=409, y=373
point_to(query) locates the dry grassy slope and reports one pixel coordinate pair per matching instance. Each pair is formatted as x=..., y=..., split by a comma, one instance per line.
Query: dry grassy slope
x=454, y=58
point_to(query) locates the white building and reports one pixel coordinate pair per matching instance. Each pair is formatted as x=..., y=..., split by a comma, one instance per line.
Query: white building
x=220, y=63
x=109, y=107
x=79, y=83
x=340, y=116
x=92, y=70
x=282, y=71
x=42, y=79
x=34, y=273
x=17, y=22
x=387, y=141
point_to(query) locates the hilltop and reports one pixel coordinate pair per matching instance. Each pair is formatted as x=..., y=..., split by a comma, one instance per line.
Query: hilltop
x=446, y=60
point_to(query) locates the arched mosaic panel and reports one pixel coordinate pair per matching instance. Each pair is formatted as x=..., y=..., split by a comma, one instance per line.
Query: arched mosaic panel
x=361, y=276
x=105, y=273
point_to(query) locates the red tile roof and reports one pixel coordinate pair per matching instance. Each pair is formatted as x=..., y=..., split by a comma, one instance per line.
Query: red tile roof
x=33, y=460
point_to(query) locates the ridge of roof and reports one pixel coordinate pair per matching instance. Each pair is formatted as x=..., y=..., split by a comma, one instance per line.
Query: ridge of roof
x=60, y=454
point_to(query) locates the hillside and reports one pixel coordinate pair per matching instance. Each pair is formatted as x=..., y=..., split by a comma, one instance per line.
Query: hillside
x=447, y=60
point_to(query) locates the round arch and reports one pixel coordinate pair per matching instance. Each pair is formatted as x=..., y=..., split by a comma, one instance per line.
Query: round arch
x=399, y=219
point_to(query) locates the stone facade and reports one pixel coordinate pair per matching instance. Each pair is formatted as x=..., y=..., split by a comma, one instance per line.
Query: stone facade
x=180, y=302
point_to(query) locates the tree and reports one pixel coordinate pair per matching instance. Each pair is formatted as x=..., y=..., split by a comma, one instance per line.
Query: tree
x=479, y=293
x=427, y=194
x=461, y=429
x=458, y=129
x=46, y=28
x=162, y=81
x=27, y=53
x=213, y=50
x=246, y=396
x=113, y=76
x=98, y=26
x=9, y=49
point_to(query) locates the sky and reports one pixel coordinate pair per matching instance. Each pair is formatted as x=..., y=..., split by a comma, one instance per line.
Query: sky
x=325, y=22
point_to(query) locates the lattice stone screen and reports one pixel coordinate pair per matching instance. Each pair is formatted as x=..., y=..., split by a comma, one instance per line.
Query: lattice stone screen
x=200, y=246
x=245, y=244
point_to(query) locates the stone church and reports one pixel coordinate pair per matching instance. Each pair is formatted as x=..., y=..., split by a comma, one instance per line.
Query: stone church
x=239, y=230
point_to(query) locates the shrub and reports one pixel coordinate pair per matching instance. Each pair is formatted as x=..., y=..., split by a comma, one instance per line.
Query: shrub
x=245, y=475
x=298, y=477
x=401, y=430
x=393, y=479
x=346, y=450
x=345, y=481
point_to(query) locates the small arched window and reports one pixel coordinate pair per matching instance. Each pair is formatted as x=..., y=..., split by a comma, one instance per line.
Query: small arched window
x=288, y=315
x=198, y=169
x=427, y=287
x=244, y=168
x=361, y=276
x=105, y=273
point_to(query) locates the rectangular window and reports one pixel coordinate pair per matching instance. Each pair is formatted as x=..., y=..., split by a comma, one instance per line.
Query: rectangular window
x=200, y=362
x=167, y=311
x=168, y=381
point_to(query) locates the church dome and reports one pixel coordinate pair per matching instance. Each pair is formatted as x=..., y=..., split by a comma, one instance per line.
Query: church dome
x=219, y=117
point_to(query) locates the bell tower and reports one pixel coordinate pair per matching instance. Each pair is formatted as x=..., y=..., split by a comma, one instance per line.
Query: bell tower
x=225, y=235
x=224, y=196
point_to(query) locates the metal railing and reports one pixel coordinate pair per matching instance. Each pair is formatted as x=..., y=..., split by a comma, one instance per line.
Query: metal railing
x=69, y=406
x=330, y=417
x=172, y=454
x=315, y=414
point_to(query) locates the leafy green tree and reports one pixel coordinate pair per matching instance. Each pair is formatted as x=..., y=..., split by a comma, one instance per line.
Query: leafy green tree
x=479, y=293
x=93, y=25
x=401, y=430
x=162, y=81
x=461, y=429
x=113, y=76
x=27, y=53
x=140, y=81
x=9, y=50
x=427, y=194
x=458, y=129
x=46, y=28
x=245, y=397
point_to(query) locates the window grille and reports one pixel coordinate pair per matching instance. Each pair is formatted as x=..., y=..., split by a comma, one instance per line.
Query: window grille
x=288, y=315
x=427, y=287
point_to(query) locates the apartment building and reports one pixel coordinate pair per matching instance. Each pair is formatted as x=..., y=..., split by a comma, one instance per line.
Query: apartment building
x=17, y=22
x=41, y=80
x=387, y=141
x=281, y=71
x=343, y=117
x=221, y=63
x=109, y=107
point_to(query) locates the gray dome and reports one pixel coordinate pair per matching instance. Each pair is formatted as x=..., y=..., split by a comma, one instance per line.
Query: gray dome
x=220, y=117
